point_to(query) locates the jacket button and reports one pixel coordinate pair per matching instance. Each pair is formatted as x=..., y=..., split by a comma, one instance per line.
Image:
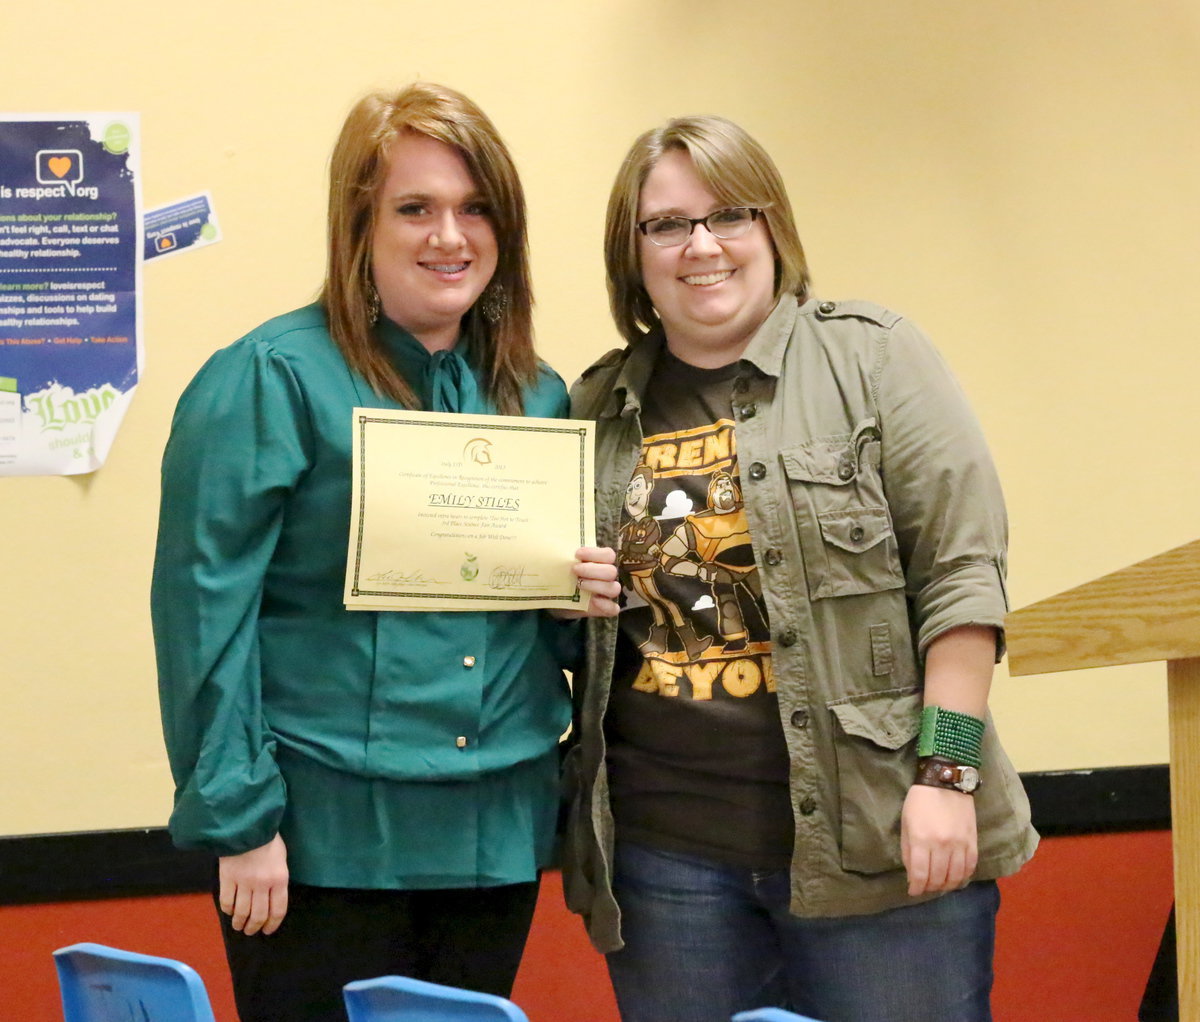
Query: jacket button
x=808, y=807
x=461, y=742
x=468, y=661
x=787, y=637
x=758, y=470
x=800, y=718
x=773, y=556
x=845, y=469
x=747, y=412
x=827, y=308
x=857, y=533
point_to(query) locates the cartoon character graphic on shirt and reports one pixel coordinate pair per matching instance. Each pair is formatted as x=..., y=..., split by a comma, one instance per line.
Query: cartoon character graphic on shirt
x=641, y=559
x=693, y=610
x=714, y=546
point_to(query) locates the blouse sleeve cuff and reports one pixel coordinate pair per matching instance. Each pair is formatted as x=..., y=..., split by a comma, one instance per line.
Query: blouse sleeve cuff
x=228, y=824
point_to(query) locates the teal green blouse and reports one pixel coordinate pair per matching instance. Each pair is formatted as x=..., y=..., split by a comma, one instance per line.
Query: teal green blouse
x=397, y=750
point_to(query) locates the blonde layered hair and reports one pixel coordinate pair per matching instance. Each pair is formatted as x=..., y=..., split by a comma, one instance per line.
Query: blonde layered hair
x=738, y=172
x=357, y=170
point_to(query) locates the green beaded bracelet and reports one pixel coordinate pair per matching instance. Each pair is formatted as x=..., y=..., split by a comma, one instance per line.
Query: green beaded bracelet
x=954, y=736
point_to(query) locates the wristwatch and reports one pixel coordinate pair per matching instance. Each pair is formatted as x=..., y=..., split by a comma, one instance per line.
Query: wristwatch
x=944, y=773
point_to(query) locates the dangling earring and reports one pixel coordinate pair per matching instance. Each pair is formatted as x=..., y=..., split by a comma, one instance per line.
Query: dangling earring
x=372, y=303
x=492, y=303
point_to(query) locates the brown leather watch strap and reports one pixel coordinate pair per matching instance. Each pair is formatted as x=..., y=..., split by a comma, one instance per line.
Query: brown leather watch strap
x=943, y=773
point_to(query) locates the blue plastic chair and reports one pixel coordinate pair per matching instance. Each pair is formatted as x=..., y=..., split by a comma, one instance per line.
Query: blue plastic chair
x=400, y=999
x=104, y=984
x=770, y=1015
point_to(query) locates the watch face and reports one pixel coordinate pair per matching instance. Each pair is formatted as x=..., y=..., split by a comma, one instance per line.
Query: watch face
x=968, y=779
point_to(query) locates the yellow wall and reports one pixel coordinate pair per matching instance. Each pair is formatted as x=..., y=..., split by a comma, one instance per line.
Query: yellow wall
x=1021, y=178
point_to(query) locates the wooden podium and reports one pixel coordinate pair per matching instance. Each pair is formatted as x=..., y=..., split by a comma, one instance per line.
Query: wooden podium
x=1148, y=611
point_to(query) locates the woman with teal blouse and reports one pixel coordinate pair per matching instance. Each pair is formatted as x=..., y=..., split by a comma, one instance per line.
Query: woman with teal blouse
x=380, y=789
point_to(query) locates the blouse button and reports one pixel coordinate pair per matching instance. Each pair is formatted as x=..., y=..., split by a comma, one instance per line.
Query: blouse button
x=758, y=470
x=800, y=718
x=468, y=661
x=857, y=533
x=773, y=556
x=461, y=741
x=808, y=807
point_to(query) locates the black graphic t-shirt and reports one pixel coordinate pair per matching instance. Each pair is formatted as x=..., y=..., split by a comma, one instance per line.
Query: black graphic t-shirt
x=697, y=761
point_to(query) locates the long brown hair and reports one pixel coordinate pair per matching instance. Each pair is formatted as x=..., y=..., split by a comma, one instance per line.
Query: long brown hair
x=357, y=170
x=736, y=169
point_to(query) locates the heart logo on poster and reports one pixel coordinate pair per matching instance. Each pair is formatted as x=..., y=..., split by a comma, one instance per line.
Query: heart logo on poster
x=59, y=165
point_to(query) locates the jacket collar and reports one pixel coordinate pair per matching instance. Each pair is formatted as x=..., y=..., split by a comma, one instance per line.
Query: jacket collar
x=634, y=374
x=770, y=341
x=765, y=352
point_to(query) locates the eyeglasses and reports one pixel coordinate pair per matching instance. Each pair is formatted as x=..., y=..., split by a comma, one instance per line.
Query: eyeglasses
x=669, y=231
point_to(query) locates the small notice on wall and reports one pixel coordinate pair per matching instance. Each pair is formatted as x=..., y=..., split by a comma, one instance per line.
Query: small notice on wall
x=187, y=224
x=70, y=276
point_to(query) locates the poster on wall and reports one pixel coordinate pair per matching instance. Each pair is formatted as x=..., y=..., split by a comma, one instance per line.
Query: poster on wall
x=70, y=287
x=182, y=226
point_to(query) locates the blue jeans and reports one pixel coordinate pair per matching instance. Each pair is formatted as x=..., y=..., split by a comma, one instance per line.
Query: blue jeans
x=704, y=940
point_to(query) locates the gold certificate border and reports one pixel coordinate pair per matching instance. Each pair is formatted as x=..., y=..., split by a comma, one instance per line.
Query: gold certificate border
x=476, y=424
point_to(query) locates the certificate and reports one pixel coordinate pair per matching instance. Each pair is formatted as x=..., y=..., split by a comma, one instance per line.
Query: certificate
x=467, y=512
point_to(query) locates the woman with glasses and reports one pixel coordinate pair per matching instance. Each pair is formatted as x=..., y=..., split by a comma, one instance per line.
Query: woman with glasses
x=380, y=789
x=787, y=789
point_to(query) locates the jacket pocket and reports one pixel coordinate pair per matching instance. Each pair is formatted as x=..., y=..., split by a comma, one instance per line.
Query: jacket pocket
x=841, y=514
x=577, y=875
x=875, y=747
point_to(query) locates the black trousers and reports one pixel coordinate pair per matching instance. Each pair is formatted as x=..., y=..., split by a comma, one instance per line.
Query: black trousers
x=465, y=937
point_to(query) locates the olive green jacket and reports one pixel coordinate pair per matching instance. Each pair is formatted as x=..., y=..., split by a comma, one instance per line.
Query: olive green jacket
x=878, y=524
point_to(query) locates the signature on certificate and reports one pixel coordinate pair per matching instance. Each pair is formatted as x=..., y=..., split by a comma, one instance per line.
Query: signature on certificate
x=395, y=576
x=511, y=577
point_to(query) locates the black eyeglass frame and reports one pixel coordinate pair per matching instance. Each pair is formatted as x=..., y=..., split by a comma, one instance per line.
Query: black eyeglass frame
x=692, y=222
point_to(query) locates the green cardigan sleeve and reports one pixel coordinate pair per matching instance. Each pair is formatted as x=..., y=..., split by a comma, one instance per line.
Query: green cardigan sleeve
x=239, y=441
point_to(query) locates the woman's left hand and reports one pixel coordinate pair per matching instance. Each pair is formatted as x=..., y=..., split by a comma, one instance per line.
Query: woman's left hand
x=938, y=839
x=596, y=569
